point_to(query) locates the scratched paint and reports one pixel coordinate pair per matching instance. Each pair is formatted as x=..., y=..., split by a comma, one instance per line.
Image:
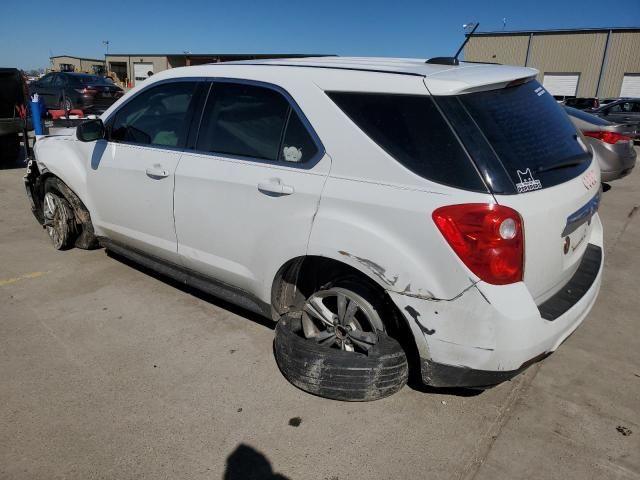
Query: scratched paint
x=26, y=276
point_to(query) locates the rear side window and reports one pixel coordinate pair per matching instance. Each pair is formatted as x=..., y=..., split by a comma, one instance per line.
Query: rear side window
x=531, y=135
x=411, y=129
x=253, y=121
x=157, y=116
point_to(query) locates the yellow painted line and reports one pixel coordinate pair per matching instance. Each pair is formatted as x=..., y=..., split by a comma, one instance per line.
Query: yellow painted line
x=26, y=276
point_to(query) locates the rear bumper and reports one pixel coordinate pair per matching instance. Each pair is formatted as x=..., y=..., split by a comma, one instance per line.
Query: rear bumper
x=488, y=334
x=610, y=175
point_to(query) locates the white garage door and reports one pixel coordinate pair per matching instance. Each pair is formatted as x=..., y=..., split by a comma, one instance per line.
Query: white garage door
x=565, y=84
x=141, y=71
x=630, y=85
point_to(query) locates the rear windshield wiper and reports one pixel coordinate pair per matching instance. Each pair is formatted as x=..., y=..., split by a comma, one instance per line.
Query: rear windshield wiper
x=556, y=166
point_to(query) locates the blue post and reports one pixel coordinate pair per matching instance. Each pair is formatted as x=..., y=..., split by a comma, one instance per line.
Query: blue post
x=36, y=114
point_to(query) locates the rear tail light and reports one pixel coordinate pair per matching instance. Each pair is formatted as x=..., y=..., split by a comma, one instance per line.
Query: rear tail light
x=488, y=238
x=608, y=137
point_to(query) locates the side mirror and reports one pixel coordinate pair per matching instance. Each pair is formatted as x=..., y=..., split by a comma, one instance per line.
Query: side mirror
x=90, y=130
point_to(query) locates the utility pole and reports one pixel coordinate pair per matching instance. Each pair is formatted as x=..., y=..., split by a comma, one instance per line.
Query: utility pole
x=106, y=44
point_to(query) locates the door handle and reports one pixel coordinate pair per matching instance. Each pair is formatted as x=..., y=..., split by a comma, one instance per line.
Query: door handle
x=275, y=187
x=157, y=171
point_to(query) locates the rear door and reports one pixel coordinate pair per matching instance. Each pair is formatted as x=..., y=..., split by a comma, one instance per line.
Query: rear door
x=536, y=162
x=246, y=196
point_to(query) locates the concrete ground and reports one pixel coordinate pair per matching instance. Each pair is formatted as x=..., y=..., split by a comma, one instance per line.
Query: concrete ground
x=109, y=372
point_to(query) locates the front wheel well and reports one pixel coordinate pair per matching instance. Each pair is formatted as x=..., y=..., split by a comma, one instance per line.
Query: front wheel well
x=86, y=238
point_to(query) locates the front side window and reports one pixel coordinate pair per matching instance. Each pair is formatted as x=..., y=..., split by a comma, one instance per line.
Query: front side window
x=46, y=80
x=253, y=121
x=157, y=116
x=58, y=81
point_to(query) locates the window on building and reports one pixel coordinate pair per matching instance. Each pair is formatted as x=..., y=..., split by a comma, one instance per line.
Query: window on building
x=67, y=67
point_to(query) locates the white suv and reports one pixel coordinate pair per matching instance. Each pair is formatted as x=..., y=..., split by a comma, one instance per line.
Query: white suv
x=395, y=215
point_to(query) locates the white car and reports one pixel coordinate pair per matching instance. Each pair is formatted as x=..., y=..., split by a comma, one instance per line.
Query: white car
x=394, y=215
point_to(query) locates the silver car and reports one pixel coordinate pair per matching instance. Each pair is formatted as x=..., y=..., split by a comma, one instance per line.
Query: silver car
x=612, y=143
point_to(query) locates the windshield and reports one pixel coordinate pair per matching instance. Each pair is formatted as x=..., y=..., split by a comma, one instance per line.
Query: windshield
x=525, y=128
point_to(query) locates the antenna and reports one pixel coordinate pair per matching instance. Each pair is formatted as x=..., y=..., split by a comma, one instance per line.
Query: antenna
x=454, y=60
x=473, y=26
x=504, y=23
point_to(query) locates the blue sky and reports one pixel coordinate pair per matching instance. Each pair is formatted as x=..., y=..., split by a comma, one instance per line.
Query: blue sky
x=31, y=30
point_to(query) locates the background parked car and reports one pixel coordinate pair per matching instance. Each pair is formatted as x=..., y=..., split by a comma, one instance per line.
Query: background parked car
x=608, y=100
x=612, y=143
x=582, y=103
x=12, y=112
x=67, y=90
x=624, y=110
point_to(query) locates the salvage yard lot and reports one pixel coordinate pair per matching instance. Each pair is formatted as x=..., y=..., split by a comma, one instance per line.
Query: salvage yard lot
x=109, y=371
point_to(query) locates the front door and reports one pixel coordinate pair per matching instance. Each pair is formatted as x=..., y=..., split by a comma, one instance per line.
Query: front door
x=131, y=178
x=245, y=198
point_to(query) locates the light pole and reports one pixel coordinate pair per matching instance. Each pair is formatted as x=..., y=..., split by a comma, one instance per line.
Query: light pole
x=106, y=44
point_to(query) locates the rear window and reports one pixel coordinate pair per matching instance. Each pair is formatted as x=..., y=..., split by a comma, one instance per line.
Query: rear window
x=532, y=137
x=411, y=129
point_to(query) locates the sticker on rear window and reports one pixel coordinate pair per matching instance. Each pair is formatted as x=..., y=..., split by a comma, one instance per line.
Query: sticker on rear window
x=527, y=183
x=540, y=91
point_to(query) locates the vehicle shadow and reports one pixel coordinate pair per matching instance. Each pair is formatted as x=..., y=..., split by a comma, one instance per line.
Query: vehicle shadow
x=247, y=463
x=254, y=317
x=418, y=386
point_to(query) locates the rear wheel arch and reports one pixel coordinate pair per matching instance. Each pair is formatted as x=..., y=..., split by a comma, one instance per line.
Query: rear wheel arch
x=299, y=277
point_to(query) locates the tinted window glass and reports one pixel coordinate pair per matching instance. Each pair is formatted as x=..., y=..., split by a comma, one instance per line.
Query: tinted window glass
x=298, y=146
x=587, y=117
x=58, y=81
x=528, y=131
x=243, y=120
x=89, y=80
x=45, y=81
x=411, y=129
x=157, y=116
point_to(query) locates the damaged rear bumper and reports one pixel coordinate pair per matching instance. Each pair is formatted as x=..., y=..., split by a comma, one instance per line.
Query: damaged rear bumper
x=442, y=375
x=488, y=334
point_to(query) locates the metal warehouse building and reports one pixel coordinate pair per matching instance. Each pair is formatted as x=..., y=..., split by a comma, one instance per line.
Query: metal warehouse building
x=578, y=62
